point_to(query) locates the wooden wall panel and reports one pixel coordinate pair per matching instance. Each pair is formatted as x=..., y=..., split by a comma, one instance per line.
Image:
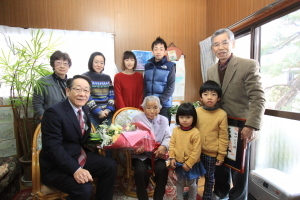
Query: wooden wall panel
x=137, y=26
x=43, y=14
x=74, y=18
x=195, y=27
x=19, y=9
x=221, y=14
x=4, y=13
x=137, y=23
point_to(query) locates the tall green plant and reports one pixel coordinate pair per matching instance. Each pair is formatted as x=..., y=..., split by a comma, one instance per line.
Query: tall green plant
x=22, y=65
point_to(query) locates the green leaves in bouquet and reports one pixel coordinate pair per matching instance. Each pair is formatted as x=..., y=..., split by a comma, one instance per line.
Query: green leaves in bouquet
x=95, y=139
x=104, y=135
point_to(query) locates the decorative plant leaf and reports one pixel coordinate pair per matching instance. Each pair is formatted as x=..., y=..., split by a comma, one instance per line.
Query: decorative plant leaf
x=22, y=65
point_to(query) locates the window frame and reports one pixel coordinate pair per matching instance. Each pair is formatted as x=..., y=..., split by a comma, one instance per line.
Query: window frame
x=251, y=25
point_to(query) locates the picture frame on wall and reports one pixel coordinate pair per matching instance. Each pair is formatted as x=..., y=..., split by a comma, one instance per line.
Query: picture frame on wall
x=236, y=151
x=142, y=58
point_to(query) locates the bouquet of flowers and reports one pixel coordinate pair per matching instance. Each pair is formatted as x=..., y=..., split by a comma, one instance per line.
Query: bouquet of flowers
x=105, y=135
x=132, y=135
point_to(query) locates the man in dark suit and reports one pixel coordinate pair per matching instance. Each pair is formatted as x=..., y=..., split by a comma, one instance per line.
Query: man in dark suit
x=242, y=97
x=65, y=163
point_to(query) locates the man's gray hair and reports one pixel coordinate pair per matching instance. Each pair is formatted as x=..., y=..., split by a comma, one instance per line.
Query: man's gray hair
x=151, y=98
x=221, y=31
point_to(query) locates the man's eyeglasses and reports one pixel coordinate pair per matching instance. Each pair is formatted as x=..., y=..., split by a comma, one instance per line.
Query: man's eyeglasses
x=224, y=44
x=78, y=91
x=58, y=63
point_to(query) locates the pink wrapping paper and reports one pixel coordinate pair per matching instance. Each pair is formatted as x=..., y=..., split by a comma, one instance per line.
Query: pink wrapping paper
x=143, y=136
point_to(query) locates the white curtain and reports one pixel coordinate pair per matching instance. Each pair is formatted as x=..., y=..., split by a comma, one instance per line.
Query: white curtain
x=78, y=44
x=207, y=57
x=278, y=146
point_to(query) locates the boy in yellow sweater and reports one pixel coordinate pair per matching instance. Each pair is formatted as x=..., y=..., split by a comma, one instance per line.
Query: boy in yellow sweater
x=213, y=128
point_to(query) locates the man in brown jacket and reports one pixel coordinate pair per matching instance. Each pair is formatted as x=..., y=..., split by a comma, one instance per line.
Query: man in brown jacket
x=243, y=97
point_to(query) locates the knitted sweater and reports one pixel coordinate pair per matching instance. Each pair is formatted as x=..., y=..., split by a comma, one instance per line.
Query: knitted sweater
x=128, y=90
x=185, y=146
x=213, y=127
x=102, y=92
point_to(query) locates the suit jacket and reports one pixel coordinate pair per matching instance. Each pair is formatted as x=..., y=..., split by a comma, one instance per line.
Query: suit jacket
x=243, y=95
x=62, y=141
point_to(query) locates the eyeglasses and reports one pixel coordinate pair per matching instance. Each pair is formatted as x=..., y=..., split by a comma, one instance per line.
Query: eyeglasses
x=78, y=91
x=58, y=63
x=224, y=44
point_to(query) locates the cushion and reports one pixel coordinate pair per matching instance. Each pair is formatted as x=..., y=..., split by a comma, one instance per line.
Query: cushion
x=3, y=170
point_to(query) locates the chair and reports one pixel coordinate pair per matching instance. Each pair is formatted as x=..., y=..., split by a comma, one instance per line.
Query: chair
x=127, y=185
x=125, y=115
x=39, y=190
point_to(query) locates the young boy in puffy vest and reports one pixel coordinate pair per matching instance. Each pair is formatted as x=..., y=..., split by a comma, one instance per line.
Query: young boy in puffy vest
x=159, y=76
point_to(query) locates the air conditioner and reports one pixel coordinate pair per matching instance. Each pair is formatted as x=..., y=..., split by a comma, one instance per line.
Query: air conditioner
x=271, y=184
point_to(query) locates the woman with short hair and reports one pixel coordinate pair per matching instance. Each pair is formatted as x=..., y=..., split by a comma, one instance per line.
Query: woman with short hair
x=53, y=87
x=159, y=125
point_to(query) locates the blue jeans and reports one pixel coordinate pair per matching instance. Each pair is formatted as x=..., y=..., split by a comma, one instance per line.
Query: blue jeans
x=96, y=121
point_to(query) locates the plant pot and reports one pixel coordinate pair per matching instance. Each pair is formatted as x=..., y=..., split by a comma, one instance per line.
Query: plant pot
x=26, y=183
x=26, y=165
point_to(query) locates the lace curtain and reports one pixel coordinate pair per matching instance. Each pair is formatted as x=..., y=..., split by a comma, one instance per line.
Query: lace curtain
x=207, y=57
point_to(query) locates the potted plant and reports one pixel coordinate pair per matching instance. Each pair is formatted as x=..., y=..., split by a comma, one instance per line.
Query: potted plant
x=23, y=63
x=173, y=109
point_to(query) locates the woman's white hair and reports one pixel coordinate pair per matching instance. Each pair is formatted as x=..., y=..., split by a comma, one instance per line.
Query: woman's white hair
x=151, y=98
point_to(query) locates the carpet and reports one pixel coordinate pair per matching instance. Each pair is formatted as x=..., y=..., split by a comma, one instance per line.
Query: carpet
x=23, y=195
x=118, y=195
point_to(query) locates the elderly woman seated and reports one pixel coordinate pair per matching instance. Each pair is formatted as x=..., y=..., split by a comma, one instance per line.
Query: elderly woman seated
x=141, y=160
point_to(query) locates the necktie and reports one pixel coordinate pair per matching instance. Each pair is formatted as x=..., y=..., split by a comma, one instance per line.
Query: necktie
x=82, y=157
x=79, y=117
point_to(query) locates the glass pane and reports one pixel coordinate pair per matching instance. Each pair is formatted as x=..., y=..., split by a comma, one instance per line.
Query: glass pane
x=280, y=62
x=278, y=145
x=242, y=46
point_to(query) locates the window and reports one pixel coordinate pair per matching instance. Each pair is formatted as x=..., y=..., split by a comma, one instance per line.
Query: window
x=275, y=42
x=242, y=46
x=280, y=62
x=280, y=67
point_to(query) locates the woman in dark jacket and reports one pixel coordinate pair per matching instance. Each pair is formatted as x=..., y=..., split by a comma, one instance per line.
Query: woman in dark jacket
x=53, y=86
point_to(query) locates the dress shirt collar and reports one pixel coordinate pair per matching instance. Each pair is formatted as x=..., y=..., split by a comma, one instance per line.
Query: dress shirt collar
x=222, y=67
x=76, y=109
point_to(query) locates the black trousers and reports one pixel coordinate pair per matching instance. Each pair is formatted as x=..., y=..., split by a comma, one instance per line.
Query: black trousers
x=141, y=177
x=103, y=168
x=223, y=175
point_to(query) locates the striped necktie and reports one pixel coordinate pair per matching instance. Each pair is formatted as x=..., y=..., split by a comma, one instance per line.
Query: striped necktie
x=82, y=157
